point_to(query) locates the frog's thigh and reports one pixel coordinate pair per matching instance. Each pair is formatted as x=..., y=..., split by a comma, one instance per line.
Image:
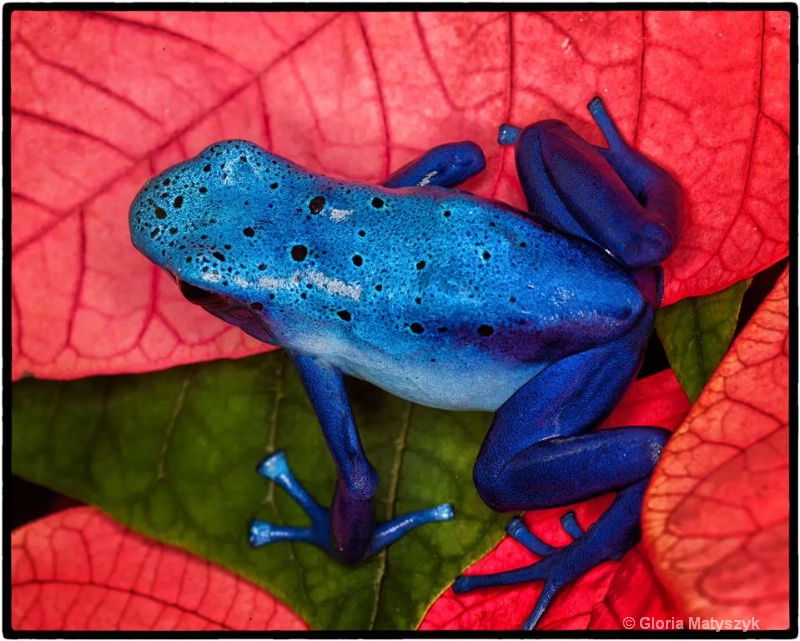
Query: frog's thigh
x=540, y=451
x=614, y=197
x=444, y=166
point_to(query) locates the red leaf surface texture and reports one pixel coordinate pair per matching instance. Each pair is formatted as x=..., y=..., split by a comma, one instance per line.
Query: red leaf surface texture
x=79, y=570
x=717, y=522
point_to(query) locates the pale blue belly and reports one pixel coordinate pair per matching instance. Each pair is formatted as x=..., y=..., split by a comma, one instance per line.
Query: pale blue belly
x=467, y=380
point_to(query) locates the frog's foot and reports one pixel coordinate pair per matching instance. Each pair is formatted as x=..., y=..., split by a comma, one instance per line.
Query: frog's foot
x=276, y=469
x=557, y=567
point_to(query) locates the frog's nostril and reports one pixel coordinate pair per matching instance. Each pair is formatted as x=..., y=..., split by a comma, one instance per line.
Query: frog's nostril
x=199, y=296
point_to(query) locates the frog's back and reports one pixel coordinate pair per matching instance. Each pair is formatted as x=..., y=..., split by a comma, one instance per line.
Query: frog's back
x=415, y=268
x=402, y=287
x=454, y=301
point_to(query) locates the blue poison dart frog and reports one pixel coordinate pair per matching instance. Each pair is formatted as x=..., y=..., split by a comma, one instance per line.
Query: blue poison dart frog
x=448, y=300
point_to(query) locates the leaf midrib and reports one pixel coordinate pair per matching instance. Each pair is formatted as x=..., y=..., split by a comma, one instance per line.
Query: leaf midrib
x=394, y=482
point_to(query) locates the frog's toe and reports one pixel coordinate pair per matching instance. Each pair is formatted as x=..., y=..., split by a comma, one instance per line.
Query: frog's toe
x=517, y=530
x=571, y=526
x=520, y=533
x=507, y=134
x=262, y=532
x=391, y=531
x=274, y=466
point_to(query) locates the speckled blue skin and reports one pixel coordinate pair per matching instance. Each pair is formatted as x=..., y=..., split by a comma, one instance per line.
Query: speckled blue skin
x=448, y=300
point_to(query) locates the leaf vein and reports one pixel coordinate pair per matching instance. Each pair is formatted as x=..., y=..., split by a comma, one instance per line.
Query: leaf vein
x=176, y=411
x=394, y=481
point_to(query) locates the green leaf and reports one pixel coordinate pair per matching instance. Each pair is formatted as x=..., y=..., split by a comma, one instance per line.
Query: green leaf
x=173, y=454
x=696, y=334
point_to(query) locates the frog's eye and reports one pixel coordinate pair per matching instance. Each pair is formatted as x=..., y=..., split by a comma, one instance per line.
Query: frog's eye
x=199, y=296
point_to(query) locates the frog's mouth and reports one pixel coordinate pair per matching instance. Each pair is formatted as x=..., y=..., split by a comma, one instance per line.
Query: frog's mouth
x=200, y=296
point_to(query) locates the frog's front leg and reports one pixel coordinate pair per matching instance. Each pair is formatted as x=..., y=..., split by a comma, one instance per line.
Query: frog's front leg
x=541, y=453
x=444, y=166
x=348, y=530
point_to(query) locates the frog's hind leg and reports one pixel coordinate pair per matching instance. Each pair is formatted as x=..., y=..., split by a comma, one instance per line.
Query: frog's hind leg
x=447, y=165
x=348, y=530
x=541, y=453
x=613, y=197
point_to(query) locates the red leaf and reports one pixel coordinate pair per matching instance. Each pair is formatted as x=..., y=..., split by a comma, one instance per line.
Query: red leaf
x=604, y=596
x=717, y=520
x=356, y=95
x=79, y=570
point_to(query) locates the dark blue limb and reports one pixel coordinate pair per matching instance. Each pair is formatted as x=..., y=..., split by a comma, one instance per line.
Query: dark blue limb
x=658, y=193
x=348, y=530
x=613, y=197
x=541, y=453
x=324, y=385
x=444, y=166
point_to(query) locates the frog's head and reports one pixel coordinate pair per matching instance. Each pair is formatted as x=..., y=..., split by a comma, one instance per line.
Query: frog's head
x=205, y=221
